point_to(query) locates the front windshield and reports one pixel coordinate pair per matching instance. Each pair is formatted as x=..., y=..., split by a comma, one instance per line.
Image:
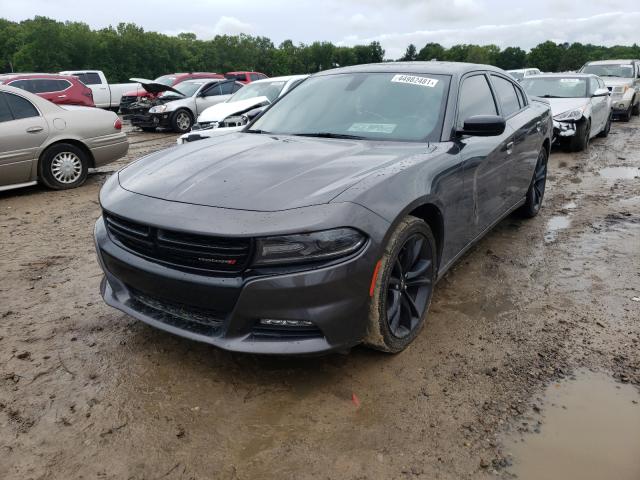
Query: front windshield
x=517, y=75
x=271, y=90
x=167, y=80
x=377, y=106
x=613, y=70
x=554, y=87
x=186, y=88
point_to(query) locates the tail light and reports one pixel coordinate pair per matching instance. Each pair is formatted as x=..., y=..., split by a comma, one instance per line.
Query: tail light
x=88, y=93
x=117, y=124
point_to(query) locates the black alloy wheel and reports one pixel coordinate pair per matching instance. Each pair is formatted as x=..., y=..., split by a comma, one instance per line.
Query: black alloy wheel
x=409, y=286
x=535, y=194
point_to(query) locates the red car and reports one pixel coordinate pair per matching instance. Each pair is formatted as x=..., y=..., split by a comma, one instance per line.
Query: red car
x=60, y=89
x=245, y=77
x=171, y=80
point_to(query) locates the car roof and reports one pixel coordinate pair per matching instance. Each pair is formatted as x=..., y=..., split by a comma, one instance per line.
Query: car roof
x=19, y=76
x=612, y=62
x=205, y=79
x=285, y=78
x=433, y=67
x=565, y=75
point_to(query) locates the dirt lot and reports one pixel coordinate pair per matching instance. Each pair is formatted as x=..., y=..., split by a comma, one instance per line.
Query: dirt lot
x=87, y=392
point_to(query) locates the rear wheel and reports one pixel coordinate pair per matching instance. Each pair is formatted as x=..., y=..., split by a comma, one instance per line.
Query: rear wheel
x=535, y=193
x=181, y=121
x=403, y=288
x=63, y=166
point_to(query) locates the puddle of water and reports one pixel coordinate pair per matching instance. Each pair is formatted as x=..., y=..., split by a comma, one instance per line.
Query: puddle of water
x=555, y=224
x=591, y=431
x=620, y=173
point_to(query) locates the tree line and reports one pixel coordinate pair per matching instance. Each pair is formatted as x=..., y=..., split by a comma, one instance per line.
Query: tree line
x=45, y=45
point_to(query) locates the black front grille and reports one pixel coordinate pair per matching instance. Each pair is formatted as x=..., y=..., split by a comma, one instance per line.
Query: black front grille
x=200, y=253
x=275, y=333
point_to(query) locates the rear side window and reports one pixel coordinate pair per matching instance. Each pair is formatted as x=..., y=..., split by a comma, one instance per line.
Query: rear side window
x=5, y=113
x=475, y=98
x=41, y=85
x=20, y=107
x=521, y=98
x=506, y=92
x=254, y=77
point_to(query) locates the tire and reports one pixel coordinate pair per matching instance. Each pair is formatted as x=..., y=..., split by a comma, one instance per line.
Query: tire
x=627, y=116
x=635, y=111
x=535, y=193
x=580, y=141
x=63, y=166
x=181, y=121
x=392, y=329
x=607, y=128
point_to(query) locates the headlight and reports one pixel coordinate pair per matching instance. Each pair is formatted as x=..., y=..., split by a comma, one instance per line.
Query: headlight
x=158, y=109
x=570, y=115
x=308, y=247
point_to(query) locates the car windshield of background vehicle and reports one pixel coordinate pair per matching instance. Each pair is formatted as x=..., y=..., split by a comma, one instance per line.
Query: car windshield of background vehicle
x=271, y=90
x=166, y=80
x=186, y=88
x=624, y=71
x=555, y=87
x=517, y=75
x=374, y=106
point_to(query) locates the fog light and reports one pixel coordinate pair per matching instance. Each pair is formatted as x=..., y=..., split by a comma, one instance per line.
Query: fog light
x=285, y=323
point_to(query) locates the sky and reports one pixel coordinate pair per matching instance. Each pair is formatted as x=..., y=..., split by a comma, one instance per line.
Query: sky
x=394, y=23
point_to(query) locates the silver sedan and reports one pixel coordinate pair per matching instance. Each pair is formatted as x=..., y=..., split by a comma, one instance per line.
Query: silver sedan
x=43, y=142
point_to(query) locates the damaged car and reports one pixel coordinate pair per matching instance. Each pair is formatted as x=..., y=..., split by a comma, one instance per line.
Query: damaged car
x=580, y=104
x=177, y=107
x=242, y=107
x=622, y=78
x=327, y=221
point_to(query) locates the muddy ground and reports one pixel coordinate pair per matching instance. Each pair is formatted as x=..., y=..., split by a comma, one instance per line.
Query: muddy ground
x=87, y=392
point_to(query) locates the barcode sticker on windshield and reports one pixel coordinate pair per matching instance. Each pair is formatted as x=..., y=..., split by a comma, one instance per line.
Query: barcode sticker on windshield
x=413, y=80
x=569, y=80
x=373, y=127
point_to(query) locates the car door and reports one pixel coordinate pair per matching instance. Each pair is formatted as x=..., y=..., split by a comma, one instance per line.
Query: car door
x=598, y=108
x=485, y=158
x=210, y=94
x=22, y=131
x=523, y=149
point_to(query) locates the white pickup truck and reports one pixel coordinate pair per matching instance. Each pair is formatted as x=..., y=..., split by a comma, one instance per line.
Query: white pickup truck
x=105, y=95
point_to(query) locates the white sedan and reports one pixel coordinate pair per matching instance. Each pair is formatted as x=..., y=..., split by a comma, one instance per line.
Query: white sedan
x=238, y=110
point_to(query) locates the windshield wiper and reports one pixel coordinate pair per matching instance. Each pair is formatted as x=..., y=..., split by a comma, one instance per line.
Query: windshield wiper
x=257, y=131
x=550, y=96
x=330, y=135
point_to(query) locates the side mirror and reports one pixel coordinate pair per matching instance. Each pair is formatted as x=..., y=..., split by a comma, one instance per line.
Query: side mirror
x=601, y=92
x=483, y=126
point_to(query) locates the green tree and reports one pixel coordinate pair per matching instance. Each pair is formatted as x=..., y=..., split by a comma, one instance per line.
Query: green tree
x=431, y=51
x=512, y=58
x=410, y=54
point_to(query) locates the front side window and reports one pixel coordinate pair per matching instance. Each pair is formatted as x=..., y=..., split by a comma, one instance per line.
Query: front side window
x=475, y=99
x=93, y=79
x=506, y=92
x=5, y=113
x=374, y=106
x=20, y=107
x=555, y=87
x=226, y=88
x=211, y=91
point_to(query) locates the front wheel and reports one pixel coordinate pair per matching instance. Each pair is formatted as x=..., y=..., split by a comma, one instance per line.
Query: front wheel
x=627, y=115
x=636, y=108
x=535, y=193
x=403, y=288
x=63, y=166
x=181, y=121
x=580, y=141
x=607, y=128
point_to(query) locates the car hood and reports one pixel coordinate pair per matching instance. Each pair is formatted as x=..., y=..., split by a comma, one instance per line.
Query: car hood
x=260, y=172
x=152, y=87
x=560, y=105
x=617, y=81
x=219, y=112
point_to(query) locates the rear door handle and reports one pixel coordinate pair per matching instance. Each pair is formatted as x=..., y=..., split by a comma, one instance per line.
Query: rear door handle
x=34, y=129
x=509, y=148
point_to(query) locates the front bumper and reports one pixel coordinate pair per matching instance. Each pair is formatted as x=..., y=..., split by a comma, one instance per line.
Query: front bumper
x=149, y=120
x=563, y=129
x=225, y=310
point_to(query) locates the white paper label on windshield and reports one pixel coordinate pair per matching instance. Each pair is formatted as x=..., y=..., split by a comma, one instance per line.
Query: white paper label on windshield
x=413, y=80
x=373, y=127
x=569, y=80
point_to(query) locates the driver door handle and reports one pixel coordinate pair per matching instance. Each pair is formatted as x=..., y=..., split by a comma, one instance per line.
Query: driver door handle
x=34, y=129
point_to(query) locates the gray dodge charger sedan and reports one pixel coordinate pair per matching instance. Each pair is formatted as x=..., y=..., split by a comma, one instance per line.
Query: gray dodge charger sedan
x=327, y=221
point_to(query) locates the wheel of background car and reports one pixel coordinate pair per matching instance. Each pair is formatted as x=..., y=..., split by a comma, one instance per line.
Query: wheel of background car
x=636, y=108
x=63, y=166
x=580, y=141
x=605, y=131
x=535, y=193
x=403, y=288
x=627, y=115
x=181, y=121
